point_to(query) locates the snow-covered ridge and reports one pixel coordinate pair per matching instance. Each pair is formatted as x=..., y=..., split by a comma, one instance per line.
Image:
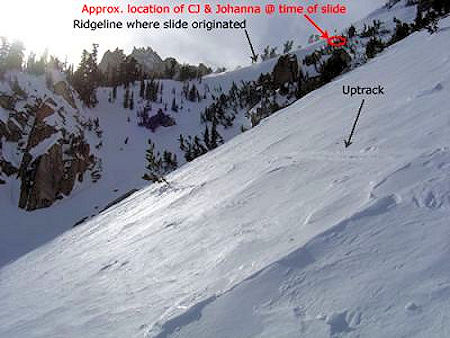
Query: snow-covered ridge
x=121, y=151
x=278, y=232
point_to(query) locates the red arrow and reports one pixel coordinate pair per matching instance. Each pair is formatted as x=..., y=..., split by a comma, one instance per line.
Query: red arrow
x=324, y=33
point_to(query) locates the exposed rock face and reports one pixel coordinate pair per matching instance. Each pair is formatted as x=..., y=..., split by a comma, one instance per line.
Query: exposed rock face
x=7, y=168
x=285, y=71
x=40, y=130
x=344, y=56
x=40, y=183
x=50, y=176
x=151, y=64
x=284, y=74
x=13, y=132
x=149, y=60
x=111, y=60
x=47, y=149
x=63, y=89
x=7, y=101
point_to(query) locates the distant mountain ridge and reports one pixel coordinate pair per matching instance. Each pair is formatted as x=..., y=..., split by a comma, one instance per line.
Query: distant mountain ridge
x=152, y=65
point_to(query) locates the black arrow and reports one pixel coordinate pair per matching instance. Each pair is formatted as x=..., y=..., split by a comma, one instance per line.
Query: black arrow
x=349, y=142
x=255, y=56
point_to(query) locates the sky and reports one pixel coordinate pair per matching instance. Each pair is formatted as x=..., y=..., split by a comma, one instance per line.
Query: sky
x=48, y=24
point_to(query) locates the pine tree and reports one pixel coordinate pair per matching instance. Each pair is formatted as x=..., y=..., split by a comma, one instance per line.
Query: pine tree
x=351, y=32
x=373, y=47
x=142, y=89
x=132, y=101
x=206, y=138
x=215, y=136
x=69, y=73
x=193, y=94
x=182, y=144
x=287, y=47
x=273, y=53
x=126, y=98
x=170, y=162
x=41, y=65
x=87, y=77
x=31, y=63
x=266, y=53
x=402, y=30
x=4, y=50
x=14, y=59
x=174, y=106
x=198, y=148
x=155, y=165
x=155, y=92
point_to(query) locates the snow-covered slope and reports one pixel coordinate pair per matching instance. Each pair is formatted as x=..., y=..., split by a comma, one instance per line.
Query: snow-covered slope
x=121, y=148
x=280, y=232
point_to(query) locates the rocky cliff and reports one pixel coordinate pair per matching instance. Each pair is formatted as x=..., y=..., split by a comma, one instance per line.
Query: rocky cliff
x=151, y=64
x=43, y=142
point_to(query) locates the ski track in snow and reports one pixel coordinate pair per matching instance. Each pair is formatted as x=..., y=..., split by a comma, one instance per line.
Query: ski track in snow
x=280, y=232
x=345, y=247
x=123, y=164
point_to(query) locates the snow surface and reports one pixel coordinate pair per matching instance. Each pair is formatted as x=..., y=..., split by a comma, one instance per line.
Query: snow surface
x=122, y=164
x=281, y=232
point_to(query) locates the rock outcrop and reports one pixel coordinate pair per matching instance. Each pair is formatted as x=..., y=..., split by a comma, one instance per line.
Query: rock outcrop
x=46, y=147
x=52, y=175
x=285, y=71
x=63, y=89
x=151, y=64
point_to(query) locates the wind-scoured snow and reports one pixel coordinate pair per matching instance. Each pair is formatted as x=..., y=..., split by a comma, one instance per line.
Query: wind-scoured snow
x=280, y=232
x=123, y=144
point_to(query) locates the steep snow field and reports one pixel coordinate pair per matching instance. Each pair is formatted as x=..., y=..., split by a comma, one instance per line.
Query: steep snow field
x=281, y=232
x=124, y=164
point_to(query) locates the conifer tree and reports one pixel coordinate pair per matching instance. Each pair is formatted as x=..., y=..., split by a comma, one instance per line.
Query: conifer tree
x=193, y=94
x=142, y=89
x=126, y=98
x=287, y=47
x=42, y=63
x=174, y=106
x=351, y=32
x=15, y=55
x=87, y=77
x=4, y=50
x=157, y=167
x=215, y=136
x=132, y=101
x=169, y=161
x=206, y=138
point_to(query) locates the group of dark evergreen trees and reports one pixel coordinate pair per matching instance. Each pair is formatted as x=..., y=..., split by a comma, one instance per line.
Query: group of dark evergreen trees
x=327, y=62
x=127, y=71
x=87, y=77
x=158, y=166
x=11, y=56
x=270, y=52
x=428, y=14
